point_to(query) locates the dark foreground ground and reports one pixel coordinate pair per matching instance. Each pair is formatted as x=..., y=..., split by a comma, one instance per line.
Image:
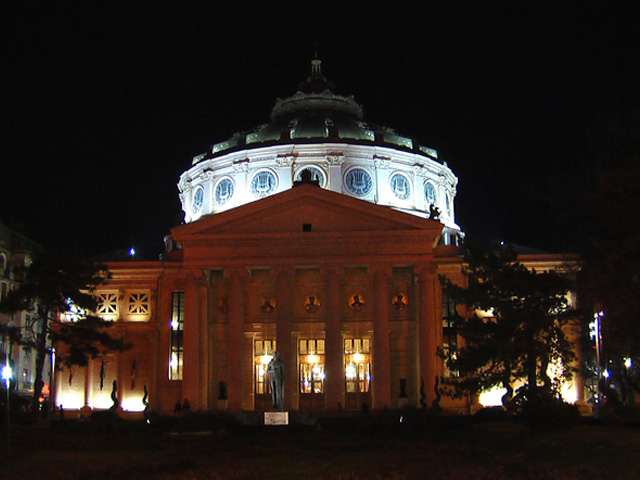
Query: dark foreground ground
x=337, y=449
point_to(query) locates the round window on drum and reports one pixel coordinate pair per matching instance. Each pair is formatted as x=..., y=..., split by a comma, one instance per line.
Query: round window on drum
x=224, y=191
x=430, y=194
x=358, y=181
x=400, y=186
x=317, y=175
x=198, y=200
x=263, y=183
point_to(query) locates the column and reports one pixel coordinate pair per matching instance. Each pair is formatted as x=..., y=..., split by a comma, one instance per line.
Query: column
x=283, y=333
x=88, y=380
x=192, y=363
x=235, y=339
x=427, y=326
x=381, y=375
x=334, y=350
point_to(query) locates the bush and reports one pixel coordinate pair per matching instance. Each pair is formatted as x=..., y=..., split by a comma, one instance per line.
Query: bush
x=543, y=410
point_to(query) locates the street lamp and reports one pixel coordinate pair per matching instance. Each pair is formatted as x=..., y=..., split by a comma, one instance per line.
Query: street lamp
x=7, y=374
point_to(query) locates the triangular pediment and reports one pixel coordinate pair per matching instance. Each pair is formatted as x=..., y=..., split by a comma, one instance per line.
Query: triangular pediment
x=305, y=208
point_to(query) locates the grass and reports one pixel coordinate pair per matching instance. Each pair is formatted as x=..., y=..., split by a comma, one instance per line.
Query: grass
x=202, y=447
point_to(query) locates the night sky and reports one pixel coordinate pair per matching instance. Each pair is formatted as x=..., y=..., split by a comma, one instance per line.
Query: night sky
x=104, y=107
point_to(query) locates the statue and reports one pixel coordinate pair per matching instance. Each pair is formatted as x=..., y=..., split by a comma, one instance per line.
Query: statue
x=114, y=397
x=276, y=379
x=434, y=212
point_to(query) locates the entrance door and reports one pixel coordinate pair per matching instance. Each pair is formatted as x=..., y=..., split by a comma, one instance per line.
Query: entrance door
x=357, y=358
x=262, y=355
x=311, y=359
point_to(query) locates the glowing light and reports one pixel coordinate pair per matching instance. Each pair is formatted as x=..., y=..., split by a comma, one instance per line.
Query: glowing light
x=627, y=362
x=316, y=369
x=350, y=371
x=102, y=402
x=174, y=361
x=133, y=404
x=312, y=358
x=605, y=374
x=71, y=401
x=265, y=359
x=7, y=374
x=357, y=357
x=132, y=251
x=174, y=324
x=492, y=398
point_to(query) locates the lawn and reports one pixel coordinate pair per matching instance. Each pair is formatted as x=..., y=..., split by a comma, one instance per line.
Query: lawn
x=340, y=449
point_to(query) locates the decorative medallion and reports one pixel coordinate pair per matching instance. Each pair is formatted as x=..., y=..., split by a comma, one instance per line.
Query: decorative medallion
x=223, y=305
x=317, y=175
x=224, y=191
x=267, y=304
x=263, y=183
x=358, y=182
x=400, y=186
x=356, y=302
x=312, y=304
x=430, y=194
x=400, y=301
x=198, y=200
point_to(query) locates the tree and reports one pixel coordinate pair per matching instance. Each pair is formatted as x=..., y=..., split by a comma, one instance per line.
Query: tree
x=525, y=333
x=59, y=291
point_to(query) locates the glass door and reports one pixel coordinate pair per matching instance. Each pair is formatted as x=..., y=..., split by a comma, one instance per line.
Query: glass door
x=262, y=355
x=311, y=358
x=357, y=358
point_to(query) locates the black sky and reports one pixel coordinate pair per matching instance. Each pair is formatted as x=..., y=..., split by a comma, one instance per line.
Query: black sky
x=106, y=106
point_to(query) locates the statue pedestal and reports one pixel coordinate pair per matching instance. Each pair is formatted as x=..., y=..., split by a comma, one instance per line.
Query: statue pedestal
x=276, y=418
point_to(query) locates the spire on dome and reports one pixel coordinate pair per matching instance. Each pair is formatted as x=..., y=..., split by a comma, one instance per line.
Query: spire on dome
x=316, y=83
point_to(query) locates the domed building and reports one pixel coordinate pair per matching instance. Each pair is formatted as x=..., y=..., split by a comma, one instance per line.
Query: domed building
x=316, y=235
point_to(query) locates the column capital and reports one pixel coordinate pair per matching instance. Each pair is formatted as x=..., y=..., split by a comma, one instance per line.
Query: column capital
x=426, y=270
x=236, y=273
x=283, y=271
x=380, y=269
x=332, y=270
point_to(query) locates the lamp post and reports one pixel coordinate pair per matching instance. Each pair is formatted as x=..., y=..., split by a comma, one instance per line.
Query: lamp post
x=7, y=374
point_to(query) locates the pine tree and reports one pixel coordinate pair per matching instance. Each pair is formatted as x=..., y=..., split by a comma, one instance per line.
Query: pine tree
x=59, y=292
x=524, y=334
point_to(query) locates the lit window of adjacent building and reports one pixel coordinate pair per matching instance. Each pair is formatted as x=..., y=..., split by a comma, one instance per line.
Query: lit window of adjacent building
x=177, y=333
x=357, y=365
x=449, y=334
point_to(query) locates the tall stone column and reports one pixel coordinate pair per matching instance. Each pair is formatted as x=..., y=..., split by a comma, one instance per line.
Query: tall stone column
x=427, y=330
x=88, y=384
x=283, y=332
x=235, y=339
x=192, y=363
x=381, y=375
x=334, y=350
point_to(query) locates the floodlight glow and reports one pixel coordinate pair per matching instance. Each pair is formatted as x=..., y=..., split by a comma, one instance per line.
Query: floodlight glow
x=627, y=362
x=7, y=374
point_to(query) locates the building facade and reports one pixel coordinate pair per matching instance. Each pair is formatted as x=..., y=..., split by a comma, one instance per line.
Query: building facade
x=318, y=236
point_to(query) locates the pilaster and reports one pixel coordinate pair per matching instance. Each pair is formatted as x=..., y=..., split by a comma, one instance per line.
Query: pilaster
x=381, y=375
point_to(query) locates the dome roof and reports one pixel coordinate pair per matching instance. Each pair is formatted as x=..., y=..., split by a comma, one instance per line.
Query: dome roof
x=315, y=113
x=319, y=134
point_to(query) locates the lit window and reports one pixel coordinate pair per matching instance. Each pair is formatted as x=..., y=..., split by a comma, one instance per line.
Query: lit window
x=107, y=305
x=138, y=304
x=176, y=326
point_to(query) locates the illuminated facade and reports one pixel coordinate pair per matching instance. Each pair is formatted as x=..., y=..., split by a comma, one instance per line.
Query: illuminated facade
x=316, y=236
